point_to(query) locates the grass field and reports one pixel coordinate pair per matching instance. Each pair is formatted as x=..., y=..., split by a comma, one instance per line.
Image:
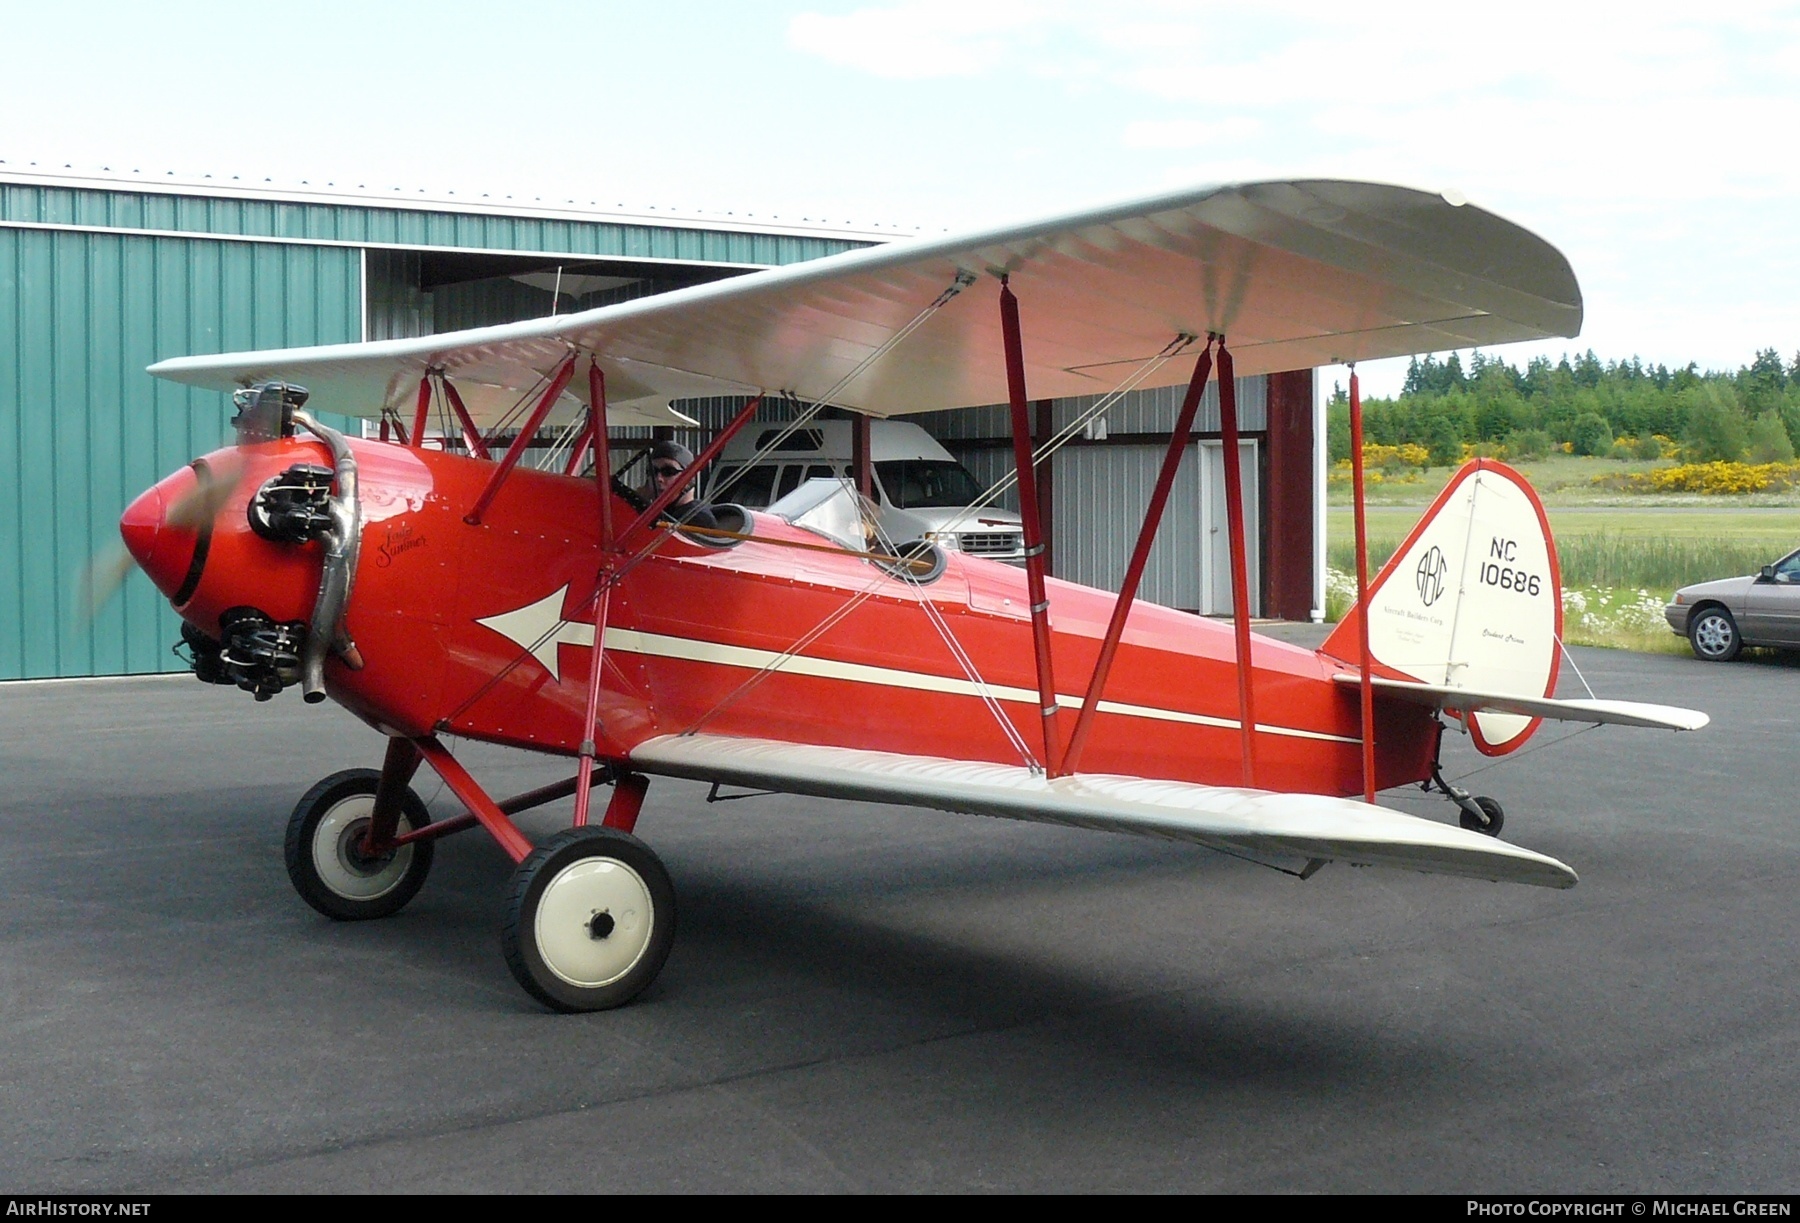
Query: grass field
x=1560, y=479
x=1622, y=556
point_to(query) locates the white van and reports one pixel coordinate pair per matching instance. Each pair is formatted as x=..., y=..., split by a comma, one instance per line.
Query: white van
x=912, y=474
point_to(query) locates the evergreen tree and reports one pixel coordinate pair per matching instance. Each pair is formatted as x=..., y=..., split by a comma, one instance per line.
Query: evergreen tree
x=1769, y=442
x=1444, y=440
x=1580, y=399
x=1715, y=427
x=1592, y=435
x=1537, y=378
x=1762, y=386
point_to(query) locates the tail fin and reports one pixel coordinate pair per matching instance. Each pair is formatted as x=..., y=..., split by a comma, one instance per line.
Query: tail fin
x=1472, y=599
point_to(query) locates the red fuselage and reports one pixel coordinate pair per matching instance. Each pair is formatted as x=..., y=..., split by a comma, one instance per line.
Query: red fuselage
x=691, y=629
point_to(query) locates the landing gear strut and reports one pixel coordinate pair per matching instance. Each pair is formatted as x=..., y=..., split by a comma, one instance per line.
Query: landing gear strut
x=590, y=916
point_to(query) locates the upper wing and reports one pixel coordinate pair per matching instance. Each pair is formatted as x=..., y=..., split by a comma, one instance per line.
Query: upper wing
x=1294, y=274
x=1312, y=826
x=1465, y=700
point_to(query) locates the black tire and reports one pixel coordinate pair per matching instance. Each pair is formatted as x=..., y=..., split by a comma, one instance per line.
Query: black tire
x=1495, y=818
x=571, y=898
x=323, y=838
x=1714, y=634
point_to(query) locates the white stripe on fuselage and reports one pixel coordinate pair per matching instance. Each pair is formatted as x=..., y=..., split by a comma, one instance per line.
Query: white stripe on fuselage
x=539, y=628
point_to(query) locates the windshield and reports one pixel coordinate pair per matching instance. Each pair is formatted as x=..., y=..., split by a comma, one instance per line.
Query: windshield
x=920, y=484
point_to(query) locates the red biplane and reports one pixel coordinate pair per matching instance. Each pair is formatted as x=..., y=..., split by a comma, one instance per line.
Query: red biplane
x=437, y=594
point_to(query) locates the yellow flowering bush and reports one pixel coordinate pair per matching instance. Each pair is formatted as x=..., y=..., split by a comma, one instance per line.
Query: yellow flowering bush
x=1713, y=479
x=1391, y=459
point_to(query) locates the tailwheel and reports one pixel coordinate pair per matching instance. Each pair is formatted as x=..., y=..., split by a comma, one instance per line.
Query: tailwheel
x=1490, y=820
x=590, y=920
x=326, y=858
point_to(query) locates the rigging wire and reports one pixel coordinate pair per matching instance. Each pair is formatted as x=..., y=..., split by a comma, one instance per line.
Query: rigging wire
x=564, y=442
x=1524, y=752
x=1170, y=350
x=932, y=614
x=1564, y=647
x=612, y=576
x=1099, y=408
x=936, y=617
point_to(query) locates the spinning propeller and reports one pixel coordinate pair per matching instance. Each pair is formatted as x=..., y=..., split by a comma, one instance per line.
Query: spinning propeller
x=175, y=516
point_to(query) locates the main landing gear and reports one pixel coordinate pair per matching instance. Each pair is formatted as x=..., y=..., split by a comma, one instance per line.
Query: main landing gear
x=590, y=913
x=328, y=854
x=589, y=920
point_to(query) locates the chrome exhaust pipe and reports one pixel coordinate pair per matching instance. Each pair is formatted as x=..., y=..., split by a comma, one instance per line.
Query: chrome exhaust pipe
x=343, y=543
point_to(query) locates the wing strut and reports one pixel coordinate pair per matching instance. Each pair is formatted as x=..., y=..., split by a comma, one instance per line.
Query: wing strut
x=681, y=483
x=1140, y=556
x=1028, y=514
x=471, y=435
x=1362, y=587
x=596, y=433
x=516, y=451
x=421, y=413
x=1240, y=581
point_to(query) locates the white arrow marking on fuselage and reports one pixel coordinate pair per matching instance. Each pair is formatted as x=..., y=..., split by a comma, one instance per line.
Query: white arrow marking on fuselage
x=539, y=628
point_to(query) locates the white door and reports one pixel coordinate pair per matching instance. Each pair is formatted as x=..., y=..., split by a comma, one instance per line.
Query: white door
x=1215, y=535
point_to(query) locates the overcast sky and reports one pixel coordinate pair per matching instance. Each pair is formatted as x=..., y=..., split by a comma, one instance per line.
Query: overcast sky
x=1653, y=143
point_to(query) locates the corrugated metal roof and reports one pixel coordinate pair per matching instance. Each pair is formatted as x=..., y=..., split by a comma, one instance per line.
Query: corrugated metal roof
x=420, y=199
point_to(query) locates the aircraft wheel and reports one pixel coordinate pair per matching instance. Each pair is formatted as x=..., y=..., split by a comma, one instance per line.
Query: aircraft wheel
x=1494, y=821
x=590, y=920
x=324, y=850
x=1714, y=635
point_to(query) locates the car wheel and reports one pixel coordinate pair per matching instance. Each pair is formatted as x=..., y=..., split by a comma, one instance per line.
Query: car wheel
x=1714, y=635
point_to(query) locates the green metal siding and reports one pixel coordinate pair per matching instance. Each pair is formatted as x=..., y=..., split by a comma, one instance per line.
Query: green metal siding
x=353, y=224
x=83, y=429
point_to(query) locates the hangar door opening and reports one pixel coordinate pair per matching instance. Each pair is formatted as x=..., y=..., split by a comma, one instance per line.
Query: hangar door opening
x=1215, y=553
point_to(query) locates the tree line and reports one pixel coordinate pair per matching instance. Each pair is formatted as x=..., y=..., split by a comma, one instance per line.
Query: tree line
x=1615, y=408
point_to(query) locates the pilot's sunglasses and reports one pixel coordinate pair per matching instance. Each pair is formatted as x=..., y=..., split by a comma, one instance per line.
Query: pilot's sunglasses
x=666, y=469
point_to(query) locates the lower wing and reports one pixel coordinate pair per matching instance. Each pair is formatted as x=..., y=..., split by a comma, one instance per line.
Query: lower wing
x=1316, y=827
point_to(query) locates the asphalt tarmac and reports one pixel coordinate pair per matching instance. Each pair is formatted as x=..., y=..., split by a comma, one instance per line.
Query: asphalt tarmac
x=886, y=999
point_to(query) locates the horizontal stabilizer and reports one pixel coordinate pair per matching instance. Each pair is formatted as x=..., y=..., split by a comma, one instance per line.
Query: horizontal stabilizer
x=1311, y=826
x=1468, y=700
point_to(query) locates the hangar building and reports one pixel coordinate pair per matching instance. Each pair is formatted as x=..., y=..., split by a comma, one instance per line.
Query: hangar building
x=101, y=274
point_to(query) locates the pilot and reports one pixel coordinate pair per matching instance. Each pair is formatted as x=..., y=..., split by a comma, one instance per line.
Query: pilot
x=668, y=459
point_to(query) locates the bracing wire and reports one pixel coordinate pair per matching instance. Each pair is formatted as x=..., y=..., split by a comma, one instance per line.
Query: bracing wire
x=616, y=574
x=960, y=655
x=1169, y=351
x=1564, y=647
x=1099, y=408
x=933, y=615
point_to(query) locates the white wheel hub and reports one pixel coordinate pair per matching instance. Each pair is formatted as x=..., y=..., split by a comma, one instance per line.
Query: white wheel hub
x=336, y=852
x=594, y=921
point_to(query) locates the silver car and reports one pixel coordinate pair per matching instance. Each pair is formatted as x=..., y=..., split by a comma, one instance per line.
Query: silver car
x=1720, y=618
